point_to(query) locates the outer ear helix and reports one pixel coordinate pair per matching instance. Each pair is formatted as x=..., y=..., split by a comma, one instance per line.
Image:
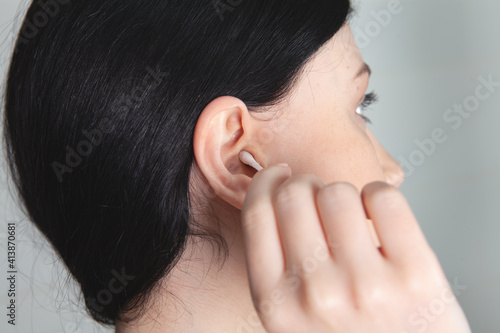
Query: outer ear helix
x=249, y=160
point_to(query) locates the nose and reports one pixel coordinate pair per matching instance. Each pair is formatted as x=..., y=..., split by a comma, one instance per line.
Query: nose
x=393, y=172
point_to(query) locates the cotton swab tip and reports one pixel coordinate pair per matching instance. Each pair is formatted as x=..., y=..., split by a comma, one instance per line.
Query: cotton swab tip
x=249, y=160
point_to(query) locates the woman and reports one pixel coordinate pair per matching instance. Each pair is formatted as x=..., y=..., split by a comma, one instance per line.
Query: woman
x=128, y=123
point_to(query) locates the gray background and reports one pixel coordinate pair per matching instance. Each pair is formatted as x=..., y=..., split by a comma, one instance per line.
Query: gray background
x=425, y=59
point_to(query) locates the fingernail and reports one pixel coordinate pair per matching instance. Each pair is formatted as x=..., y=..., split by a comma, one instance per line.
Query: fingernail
x=282, y=164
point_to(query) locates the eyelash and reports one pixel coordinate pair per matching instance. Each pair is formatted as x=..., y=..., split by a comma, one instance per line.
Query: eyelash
x=369, y=100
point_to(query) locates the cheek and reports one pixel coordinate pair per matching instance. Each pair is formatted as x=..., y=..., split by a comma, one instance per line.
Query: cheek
x=355, y=163
x=334, y=146
x=341, y=153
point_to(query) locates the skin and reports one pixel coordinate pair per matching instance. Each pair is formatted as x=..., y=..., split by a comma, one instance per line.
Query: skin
x=300, y=250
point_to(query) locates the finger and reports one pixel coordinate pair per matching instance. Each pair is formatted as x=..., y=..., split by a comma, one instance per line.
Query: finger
x=344, y=220
x=263, y=251
x=401, y=238
x=373, y=233
x=299, y=224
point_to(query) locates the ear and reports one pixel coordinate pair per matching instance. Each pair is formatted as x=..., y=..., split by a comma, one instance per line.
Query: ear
x=224, y=128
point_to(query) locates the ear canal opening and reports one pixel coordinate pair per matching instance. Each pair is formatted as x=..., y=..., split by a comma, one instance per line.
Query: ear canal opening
x=249, y=160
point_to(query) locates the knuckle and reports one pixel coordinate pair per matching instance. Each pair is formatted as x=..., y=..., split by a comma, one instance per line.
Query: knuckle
x=386, y=195
x=295, y=189
x=336, y=192
x=418, y=282
x=280, y=322
x=289, y=193
x=322, y=299
x=252, y=214
x=375, y=294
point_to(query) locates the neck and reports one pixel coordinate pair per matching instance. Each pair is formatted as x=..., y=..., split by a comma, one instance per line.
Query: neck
x=204, y=293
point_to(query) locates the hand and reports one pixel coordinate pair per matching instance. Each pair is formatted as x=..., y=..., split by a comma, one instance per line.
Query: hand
x=313, y=266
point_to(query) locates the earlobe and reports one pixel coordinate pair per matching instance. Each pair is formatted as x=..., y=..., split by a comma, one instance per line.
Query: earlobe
x=223, y=130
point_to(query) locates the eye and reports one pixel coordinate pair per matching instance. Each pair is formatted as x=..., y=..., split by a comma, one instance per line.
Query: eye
x=369, y=99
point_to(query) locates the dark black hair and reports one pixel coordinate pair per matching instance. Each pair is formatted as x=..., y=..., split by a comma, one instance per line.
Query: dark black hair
x=102, y=99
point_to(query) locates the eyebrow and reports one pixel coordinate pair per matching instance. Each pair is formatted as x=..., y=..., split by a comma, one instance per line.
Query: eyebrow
x=364, y=69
